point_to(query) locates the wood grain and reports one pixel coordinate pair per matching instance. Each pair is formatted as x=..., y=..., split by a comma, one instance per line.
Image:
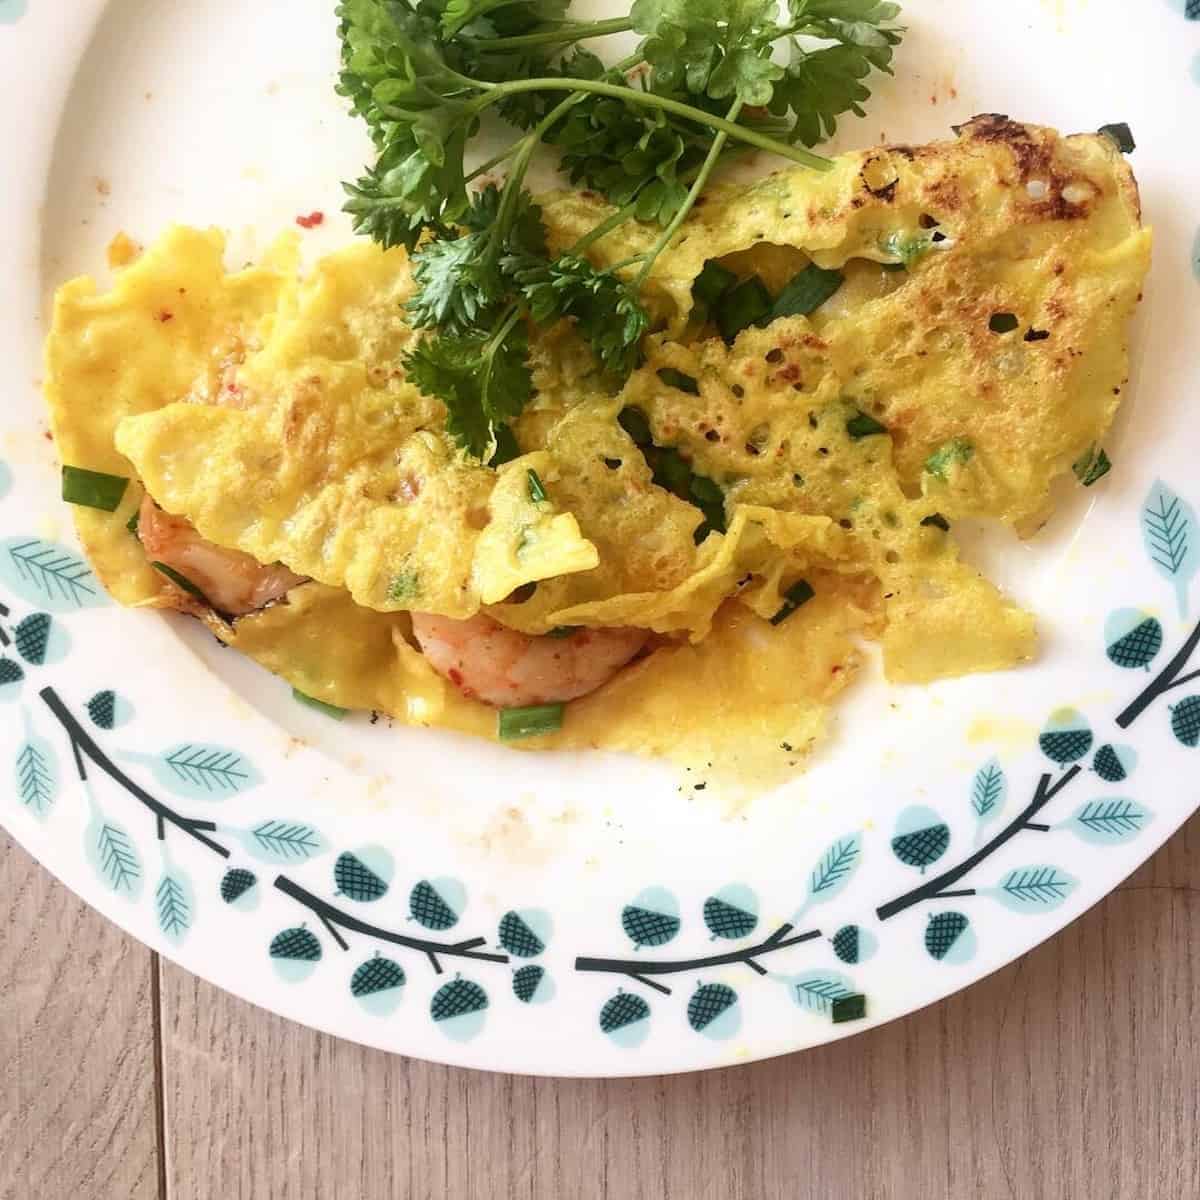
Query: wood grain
x=77, y=1053
x=1069, y=1074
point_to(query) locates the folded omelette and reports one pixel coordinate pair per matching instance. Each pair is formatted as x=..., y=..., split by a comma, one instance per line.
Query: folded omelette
x=972, y=353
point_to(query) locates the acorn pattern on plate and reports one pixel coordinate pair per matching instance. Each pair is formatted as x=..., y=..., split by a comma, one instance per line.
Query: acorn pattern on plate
x=382, y=928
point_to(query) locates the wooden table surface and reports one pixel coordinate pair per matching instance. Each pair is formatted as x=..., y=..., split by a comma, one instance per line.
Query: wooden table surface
x=1072, y=1073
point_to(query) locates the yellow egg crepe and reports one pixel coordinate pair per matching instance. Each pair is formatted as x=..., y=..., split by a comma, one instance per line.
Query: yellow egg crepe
x=972, y=350
x=1008, y=220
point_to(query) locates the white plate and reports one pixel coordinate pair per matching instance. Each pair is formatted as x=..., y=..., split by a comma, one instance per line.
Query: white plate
x=503, y=939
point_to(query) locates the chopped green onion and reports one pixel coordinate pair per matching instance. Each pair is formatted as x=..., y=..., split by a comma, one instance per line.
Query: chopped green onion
x=537, y=493
x=1003, y=322
x=93, y=489
x=330, y=710
x=953, y=453
x=677, y=379
x=671, y=471
x=848, y=1008
x=182, y=581
x=712, y=283
x=563, y=631
x=506, y=447
x=746, y=305
x=404, y=586
x=937, y=521
x=907, y=248
x=1092, y=467
x=710, y=500
x=861, y=425
x=1122, y=135
x=135, y=520
x=634, y=422
x=705, y=491
x=798, y=594
x=806, y=292
x=537, y=719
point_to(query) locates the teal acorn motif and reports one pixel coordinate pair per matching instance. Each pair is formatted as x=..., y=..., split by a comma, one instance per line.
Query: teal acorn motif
x=355, y=880
x=921, y=838
x=459, y=1009
x=1114, y=763
x=376, y=975
x=10, y=672
x=102, y=708
x=430, y=905
x=621, y=1011
x=236, y=883
x=652, y=919
x=297, y=943
x=457, y=998
x=712, y=1010
x=525, y=982
x=854, y=944
x=943, y=932
x=32, y=636
x=732, y=912
x=1185, y=721
x=1133, y=638
x=1067, y=736
x=518, y=938
x=845, y=943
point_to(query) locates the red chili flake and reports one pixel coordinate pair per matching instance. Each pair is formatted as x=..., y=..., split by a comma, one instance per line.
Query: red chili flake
x=455, y=677
x=166, y=315
x=311, y=221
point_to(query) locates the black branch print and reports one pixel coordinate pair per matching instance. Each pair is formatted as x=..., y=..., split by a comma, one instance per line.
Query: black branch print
x=1167, y=679
x=640, y=969
x=942, y=886
x=335, y=920
x=83, y=746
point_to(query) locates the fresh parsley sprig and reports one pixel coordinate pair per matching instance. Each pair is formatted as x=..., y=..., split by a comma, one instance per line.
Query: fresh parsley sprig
x=483, y=379
x=422, y=73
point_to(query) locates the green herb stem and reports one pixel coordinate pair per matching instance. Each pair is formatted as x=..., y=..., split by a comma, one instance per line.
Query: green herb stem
x=615, y=221
x=495, y=92
x=698, y=184
x=529, y=142
x=571, y=31
x=495, y=160
x=503, y=327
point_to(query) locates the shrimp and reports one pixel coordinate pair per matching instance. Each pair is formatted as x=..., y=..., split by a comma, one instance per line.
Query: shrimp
x=508, y=669
x=232, y=582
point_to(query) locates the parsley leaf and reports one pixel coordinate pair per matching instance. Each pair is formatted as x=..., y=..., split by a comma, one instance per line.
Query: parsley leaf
x=527, y=234
x=820, y=85
x=505, y=16
x=721, y=48
x=605, y=310
x=459, y=281
x=483, y=379
x=405, y=193
x=455, y=289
